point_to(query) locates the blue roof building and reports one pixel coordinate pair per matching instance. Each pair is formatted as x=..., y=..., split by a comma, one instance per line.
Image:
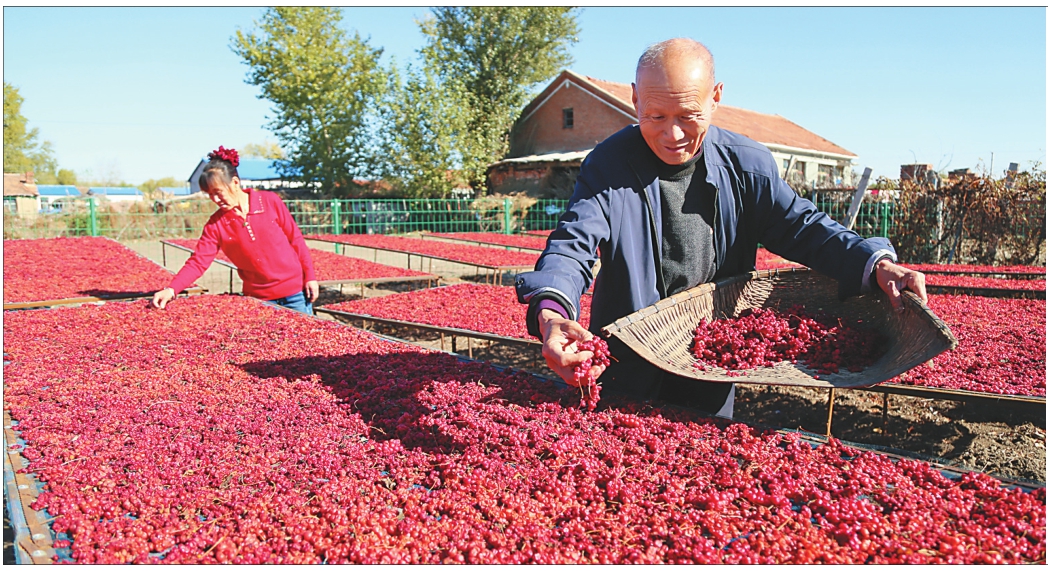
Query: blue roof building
x=58, y=190
x=255, y=173
x=177, y=190
x=120, y=193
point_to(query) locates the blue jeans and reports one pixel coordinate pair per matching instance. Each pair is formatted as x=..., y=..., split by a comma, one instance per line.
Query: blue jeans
x=297, y=302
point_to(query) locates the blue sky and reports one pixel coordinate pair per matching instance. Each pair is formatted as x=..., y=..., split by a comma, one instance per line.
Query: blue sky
x=140, y=93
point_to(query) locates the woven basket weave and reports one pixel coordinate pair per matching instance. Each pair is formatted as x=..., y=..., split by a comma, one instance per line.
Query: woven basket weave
x=663, y=333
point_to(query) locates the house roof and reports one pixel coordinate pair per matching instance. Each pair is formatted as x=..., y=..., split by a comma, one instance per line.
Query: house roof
x=258, y=169
x=58, y=190
x=15, y=185
x=761, y=127
x=114, y=191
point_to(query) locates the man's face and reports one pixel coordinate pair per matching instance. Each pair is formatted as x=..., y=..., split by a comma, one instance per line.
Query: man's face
x=675, y=103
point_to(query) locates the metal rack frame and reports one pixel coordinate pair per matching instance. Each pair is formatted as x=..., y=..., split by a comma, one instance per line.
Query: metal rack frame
x=493, y=274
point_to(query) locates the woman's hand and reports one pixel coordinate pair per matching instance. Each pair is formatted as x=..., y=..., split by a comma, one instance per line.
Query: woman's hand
x=312, y=291
x=163, y=296
x=558, y=345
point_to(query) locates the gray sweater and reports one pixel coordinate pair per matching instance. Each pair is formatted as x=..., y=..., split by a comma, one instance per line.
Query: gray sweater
x=688, y=257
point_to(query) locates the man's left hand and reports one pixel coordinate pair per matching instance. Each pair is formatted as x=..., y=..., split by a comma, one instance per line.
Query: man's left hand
x=894, y=278
x=313, y=291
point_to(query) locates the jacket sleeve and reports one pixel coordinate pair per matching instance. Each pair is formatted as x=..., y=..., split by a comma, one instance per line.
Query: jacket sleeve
x=204, y=253
x=294, y=236
x=790, y=226
x=565, y=269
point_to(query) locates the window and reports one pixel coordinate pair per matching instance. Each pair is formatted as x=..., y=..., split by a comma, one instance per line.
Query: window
x=801, y=168
x=785, y=165
x=10, y=205
x=569, y=118
x=828, y=174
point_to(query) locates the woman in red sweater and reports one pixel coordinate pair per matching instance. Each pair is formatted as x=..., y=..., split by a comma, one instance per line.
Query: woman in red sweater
x=255, y=230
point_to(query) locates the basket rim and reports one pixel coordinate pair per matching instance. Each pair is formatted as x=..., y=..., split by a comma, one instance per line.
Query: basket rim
x=935, y=325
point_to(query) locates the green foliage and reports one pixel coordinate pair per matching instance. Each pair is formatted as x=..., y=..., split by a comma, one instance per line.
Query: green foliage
x=424, y=129
x=266, y=150
x=487, y=60
x=22, y=152
x=65, y=176
x=151, y=187
x=322, y=82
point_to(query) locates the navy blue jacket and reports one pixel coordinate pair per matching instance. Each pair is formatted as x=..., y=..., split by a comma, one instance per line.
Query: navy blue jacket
x=616, y=207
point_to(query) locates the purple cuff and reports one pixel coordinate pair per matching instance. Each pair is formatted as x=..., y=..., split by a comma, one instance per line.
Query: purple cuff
x=551, y=305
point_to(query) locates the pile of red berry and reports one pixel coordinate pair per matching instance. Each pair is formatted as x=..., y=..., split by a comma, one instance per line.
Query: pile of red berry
x=475, y=307
x=763, y=337
x=968, y=268
x=482, y=255
x=183, y=436
x=512, y=240
x=583, y=377
x=1000, y=346
x=63, y=268
x=768, y=261
x=981, y=282
x=328, y=266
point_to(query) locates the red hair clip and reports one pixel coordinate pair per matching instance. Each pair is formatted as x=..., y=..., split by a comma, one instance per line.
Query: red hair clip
x=225, y=154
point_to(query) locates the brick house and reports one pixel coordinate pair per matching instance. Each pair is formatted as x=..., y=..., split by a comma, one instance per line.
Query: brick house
x=20, y=195
x=572, y=114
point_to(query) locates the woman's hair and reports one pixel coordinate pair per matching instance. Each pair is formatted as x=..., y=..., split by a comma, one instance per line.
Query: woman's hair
x=221, y=167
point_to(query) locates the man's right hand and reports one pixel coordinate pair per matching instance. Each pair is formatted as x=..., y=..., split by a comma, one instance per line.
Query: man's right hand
x=163, y=296
x=558, y=345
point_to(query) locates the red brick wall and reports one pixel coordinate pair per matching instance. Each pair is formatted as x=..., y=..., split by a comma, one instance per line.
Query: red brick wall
x=543, y=131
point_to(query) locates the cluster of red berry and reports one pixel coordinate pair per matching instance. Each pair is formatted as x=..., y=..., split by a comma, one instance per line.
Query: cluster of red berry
x=182, y=436
x=1000, y=346
x=475, y=307
x=328, y=266
x=62, y=268
x=512, y=240
x=763, y=337
x=979, y=282
x=583, y=377
x=465, y=253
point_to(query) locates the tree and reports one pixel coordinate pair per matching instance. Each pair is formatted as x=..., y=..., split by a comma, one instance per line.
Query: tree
x=497, y=54
x=22, y=152
x=322, y=84
x=151, y=187
x=425, y=126
x=267, y=150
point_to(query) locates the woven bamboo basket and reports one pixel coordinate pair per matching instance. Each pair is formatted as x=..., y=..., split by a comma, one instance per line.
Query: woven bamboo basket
x=663, y=333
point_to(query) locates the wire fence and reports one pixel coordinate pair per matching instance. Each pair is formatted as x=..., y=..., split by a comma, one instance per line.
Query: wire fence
x=186, y=218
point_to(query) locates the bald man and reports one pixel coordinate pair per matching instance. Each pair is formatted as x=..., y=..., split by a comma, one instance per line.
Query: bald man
x=671, y=203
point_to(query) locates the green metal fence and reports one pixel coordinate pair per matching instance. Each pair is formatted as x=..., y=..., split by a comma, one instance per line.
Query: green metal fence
x=875, y=218
x=186, y=219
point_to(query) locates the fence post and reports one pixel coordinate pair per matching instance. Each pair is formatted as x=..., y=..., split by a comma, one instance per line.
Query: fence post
x=336, y=216
x=92, y=217
x=507, y=217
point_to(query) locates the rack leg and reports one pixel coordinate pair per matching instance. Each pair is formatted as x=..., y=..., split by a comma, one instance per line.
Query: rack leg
x=163, y=252
x=829, y=411
x=469, y=347
x=361, y=289
x=884, y=415
x=441, y=341
x=454, y=344
x=230, y=280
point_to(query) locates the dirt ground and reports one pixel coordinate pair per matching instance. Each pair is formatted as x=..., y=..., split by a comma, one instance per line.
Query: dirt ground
x=997, y=439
